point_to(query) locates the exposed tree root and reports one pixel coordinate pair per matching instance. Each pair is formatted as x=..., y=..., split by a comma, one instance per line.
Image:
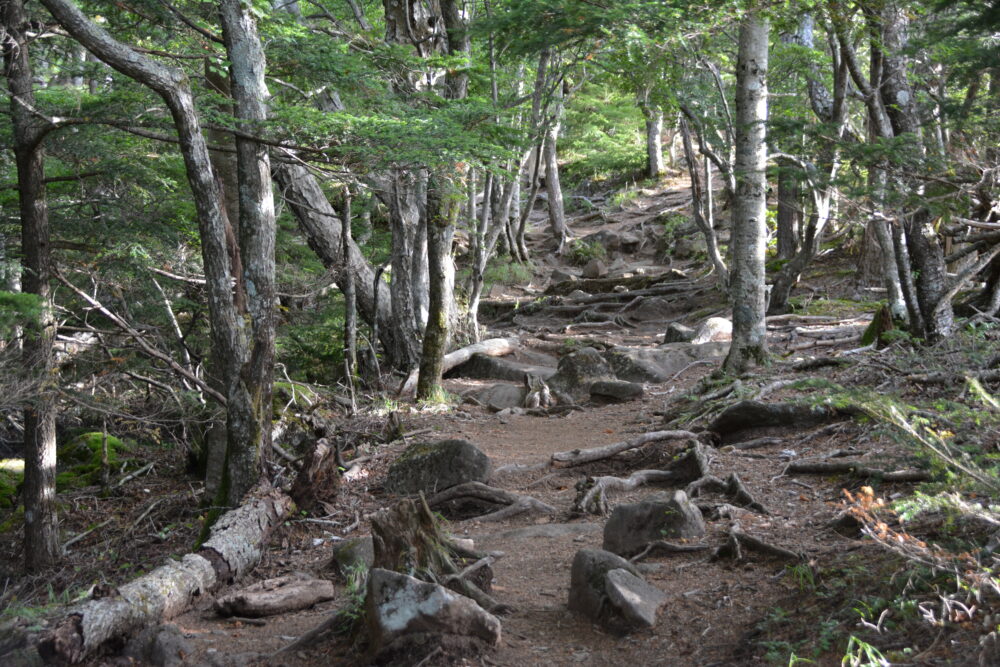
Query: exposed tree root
x=494, y=347
x=514, y=503
x=856, y=470
x=592, y=492
x=578, y=457
x=738, y=541
x=664, y=547
x=733, y=487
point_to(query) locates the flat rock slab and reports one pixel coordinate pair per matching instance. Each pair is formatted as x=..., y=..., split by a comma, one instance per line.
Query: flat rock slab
x=638, y=602
x=436, y=466
x=500, y=397
x=398, y=605
x=275, y=596
x=631, y=527
x=618, y=390
x=659, y=364
x=499, y=368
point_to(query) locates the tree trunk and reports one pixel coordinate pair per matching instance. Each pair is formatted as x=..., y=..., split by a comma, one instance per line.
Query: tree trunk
x=229, y=340
x=346, y=282
x=749, y=344
x=404, y=218
x=698, y=207
x=789, y=213
x=443, y=204
x=654, y=141
x=323, y=230
x=557, y=211
x=41, y=527
x=249, y=418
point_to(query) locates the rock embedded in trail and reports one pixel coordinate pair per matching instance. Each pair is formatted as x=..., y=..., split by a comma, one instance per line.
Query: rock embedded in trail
x=659, y=364
x=159, y=646
x=432, y=467
x=678, y=333
x=498, y=368
x=403, y=612
x=499, y=397
x=632, y=527
x=609, y=590
x=561, y=276
x=595, y=268
x=713, y=330
x=618, y=390
x=578, y=371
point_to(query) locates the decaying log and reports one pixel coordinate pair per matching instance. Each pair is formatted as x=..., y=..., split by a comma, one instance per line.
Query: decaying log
x=576, y=457
x=408, y=538
x=738, y=540
x=494, y=347
x=857, y=470
x=592, y=492
x=275, y=596
x=514, y=503
x=234, y=548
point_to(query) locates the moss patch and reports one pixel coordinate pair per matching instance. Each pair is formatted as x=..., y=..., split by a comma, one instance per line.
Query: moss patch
x=80, y=459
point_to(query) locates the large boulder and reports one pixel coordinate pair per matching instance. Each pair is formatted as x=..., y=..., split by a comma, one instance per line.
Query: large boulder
x=402, y=612
x=631, y=527
x=660, y=364
x=579, y=370
x=713, y=330
x=609, y=590
x=499, y=397
x=498, y=368
x=433, y=467
x=617, y=390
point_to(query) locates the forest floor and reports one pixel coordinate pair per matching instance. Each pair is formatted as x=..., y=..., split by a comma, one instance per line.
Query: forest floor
x=756, y=610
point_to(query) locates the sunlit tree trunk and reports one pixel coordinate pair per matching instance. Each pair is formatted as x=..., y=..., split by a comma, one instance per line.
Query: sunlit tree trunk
x=654, y=140
x=749, y=235
x=557, y=211
x=41, y=527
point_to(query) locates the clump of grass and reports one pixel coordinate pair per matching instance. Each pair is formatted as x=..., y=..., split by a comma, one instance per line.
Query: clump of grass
x=581, y=252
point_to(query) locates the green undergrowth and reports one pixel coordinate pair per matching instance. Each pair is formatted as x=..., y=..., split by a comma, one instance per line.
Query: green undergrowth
x=80, y=459
x=839, y=308
x=581, y=252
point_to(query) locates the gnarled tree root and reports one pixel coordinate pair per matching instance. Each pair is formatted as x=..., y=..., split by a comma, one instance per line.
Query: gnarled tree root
x=592, y=492
x=664, y=547
x=733, y=488
x=515, y=503
x=738, y=541
x=577, y=457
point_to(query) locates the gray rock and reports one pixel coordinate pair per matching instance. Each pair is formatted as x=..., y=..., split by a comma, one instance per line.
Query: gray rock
x=595, y=268
x=398, y=606
x=628, y=242
x=713, y=330
x=687, y=247
x=500, y=397
x=561, y=276
x=631, y=527
x=579, y=370
x=577, y=294
x=618, y=390
x=351, y=555
x=432, y=467
x=658, y=364
x=678, y=333
x=607, y=238
x=638, y=602
x=587, y=593
x=651, y=309
x=498, y=368
x=159, y=646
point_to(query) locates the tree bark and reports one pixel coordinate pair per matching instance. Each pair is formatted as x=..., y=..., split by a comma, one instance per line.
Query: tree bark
x=41, y=526
x=229, y=339
x=699, y=208
x=654, y=141
x=749, y=343
x=557, y=211
x=249, y=420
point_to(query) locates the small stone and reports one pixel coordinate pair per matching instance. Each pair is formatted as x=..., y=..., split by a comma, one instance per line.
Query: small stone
x=595, y=268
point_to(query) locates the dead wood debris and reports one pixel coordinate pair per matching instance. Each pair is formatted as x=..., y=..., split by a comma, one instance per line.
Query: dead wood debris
x=733, y=488
x=855, y=469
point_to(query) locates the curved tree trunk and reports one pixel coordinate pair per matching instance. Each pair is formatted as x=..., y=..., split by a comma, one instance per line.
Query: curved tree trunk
x=749, y=344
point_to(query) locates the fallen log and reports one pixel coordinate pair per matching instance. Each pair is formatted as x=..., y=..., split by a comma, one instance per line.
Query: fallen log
x=576, y=457
x=275, y=596
x=856, y=470
x=233, y=548
x=494, y=347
